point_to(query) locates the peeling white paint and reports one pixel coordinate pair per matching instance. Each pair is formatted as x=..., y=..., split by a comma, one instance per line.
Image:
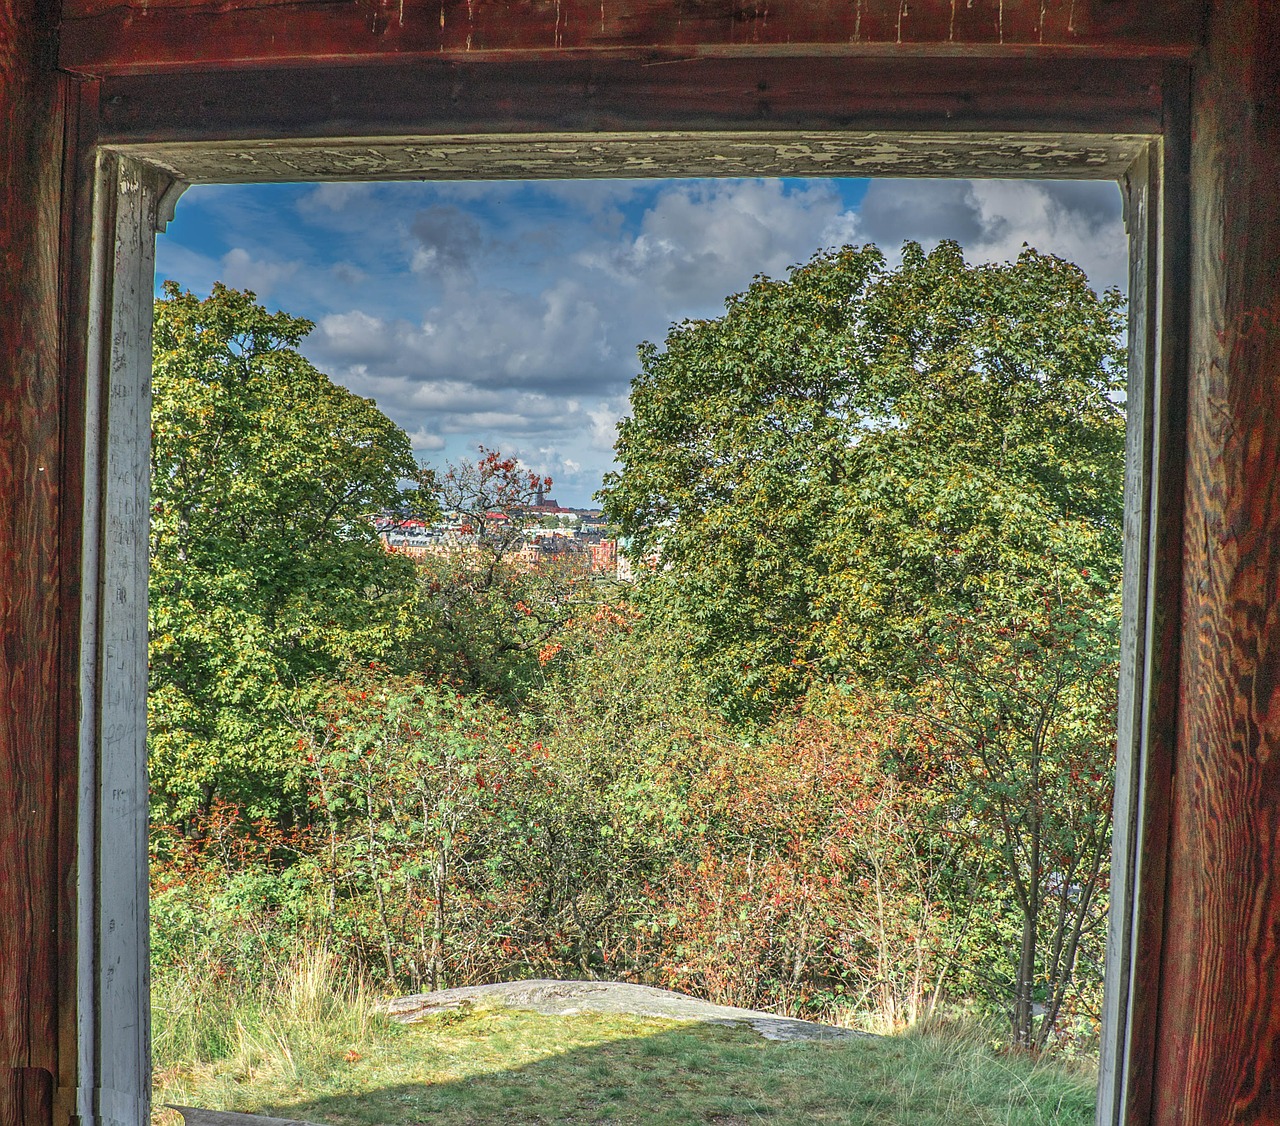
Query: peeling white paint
x=504, y=157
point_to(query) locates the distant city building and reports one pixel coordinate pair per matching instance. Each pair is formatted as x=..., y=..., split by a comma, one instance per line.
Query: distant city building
x=579, y=533
x=544, y=504
x=604, y=557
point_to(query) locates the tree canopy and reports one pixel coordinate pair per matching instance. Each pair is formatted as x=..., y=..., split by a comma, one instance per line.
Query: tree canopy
x=847, y=456
x=266, y=571
x=910, y=479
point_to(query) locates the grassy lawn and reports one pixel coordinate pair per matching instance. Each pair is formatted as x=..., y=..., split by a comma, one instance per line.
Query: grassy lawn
x=328, y=1059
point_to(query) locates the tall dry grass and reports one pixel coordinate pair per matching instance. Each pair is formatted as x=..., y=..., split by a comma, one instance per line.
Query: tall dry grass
x=214, y=1027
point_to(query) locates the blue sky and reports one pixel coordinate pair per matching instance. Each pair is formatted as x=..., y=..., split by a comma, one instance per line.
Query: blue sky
x=508, y=314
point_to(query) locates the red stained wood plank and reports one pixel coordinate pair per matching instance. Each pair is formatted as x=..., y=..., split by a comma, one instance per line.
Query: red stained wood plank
x=26, y=1096
x=30, y=465
x=1218, y=1041
x=623, y=95
x=124, y=36
x=977, y=22
x=880, y=21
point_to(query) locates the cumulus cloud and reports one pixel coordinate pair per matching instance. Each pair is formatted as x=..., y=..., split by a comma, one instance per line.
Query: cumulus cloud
x=484, y=338
x=188, y=267
x=243, y=271
x=449, y=238
x=335, y=198
x=508, y=314
x=992, y=219
x=703, y=240
x=603, y=417
x=423, y=441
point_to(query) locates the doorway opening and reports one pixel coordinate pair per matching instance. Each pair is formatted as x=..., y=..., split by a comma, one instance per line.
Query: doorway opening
x=373, y=340
x=152, y=187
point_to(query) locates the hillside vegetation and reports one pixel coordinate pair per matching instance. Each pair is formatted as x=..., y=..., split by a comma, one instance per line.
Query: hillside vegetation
x=307, y=1045
x=842, y=751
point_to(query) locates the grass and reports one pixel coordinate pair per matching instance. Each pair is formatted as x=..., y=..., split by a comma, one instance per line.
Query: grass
x=309, y=1046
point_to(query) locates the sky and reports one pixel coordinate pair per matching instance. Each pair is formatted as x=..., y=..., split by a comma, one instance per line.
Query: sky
x=507, y=314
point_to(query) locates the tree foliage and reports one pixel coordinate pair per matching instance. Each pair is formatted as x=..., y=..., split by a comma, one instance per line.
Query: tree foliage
x=911, y=479
x=732, y=463
x=487, y=614
x=266, y=572
x=847, y=455
x=847, y=742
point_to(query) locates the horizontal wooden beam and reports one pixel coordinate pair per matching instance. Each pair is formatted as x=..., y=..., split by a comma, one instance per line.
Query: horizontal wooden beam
x=1040, y=156
x=109, y=37
x=612, y=95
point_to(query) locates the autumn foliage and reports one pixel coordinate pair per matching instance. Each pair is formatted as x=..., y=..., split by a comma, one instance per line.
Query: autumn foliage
x=627, y=833
x=845, y=749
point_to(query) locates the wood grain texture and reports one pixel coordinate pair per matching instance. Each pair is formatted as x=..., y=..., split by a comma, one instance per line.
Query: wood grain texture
x=30, y=464
x=103, y=37
x=76, y=840
x=636, y=156
x=1218, y=1042
x=627, y=96
x=1158, y=220
x=26, y=1096
x=119, y=681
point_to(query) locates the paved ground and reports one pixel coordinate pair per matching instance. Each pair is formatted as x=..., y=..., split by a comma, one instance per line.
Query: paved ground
x=563, y=998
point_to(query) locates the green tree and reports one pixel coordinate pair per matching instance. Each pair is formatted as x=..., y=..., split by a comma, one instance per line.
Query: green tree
x=910, y=478
x=266, y=572
x=979, y=538
x=731, y=467
x=488, y=606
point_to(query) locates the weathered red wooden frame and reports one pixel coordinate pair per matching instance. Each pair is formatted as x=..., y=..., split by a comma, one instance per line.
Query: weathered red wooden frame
x=139, y=134
x=1198, y=815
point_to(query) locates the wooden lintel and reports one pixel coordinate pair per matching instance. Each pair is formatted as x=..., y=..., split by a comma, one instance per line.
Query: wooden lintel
x=1095, y=96
x=104, y=37
x=639, y=156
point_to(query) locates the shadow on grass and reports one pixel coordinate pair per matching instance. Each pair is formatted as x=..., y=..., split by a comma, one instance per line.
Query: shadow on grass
x=702, y=1074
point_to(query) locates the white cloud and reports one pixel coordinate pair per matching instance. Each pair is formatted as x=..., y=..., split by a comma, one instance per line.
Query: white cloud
x=508, y=314
x=242, y=271
x=326, y=202
x=992, y=219
x=703, y=240
x=604, y=416
x=423, y=441
x=1015, y=212
x=191, y=269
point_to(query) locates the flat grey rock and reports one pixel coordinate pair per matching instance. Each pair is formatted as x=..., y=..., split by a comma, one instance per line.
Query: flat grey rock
x=564, y=998
x=194, y=1116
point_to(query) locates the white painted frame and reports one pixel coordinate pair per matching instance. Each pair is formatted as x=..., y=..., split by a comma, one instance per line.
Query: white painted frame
x=113, y=951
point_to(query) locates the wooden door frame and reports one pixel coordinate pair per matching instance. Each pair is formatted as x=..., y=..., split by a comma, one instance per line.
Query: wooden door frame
x=1122, y=119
